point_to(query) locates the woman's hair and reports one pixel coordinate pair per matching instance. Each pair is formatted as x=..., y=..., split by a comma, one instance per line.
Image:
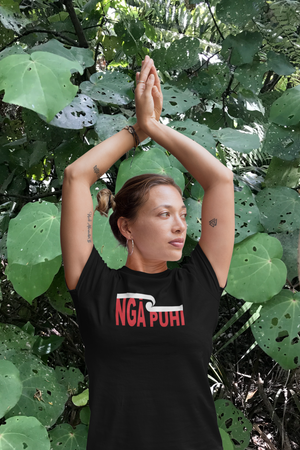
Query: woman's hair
x=129, y=199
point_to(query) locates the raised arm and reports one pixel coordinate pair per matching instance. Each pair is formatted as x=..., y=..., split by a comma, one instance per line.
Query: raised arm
x=217, y=221
x=77, y=206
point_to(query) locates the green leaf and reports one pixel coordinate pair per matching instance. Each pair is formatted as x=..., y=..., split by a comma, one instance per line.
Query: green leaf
x=279, y=208
x=238, y=12
x=152, y=161
x=40, y=82
x=277, y=329
x=69, y=378
x=233, y=421
x=32, y=280
x=256, y=271
x=130, y=30
x=23, y=432
x=37, y=151
x=107, y=125
x=176, y=101
x=58, y=294
x=289, y=242
x=238, y=140
x=111, y=46
x=113, y=254
x=13, y=339
x=109, y=88
x=81, y=399
x=286, y=109
x=44, y=346
x=193, y=218
x=211, y=81
x=13, y=50
x=85, y=415
x=242, y=47
x=83, y=56
x=11, y=386
x=67, y=152
x=247, y=215
x=197, y=132
x=33, y=236
x=283, y=173
x=81, y=112
x=42, y=397
x=226, y=441
x=282, y=142
x=183, y=53
x=280, y=64
x=66, y=437
x=11, y=17
x=251, y=75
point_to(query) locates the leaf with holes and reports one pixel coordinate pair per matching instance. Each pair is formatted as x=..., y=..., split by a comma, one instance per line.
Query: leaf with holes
x=247, y=216
x=289, y=242
x=42, y=397
x=283, y=142
x=109, y=88
x=197, y=132
x=13, y=339
x=32, y=280
x=238, y=140
x=11, y=386
x=279, y=208
x=107, y=125
x=238, y=12
x=233, y=421
x=69, y=378
x=81, y=112
x=33, y=236
x=183, y=53
x=286, y=109
x=251, y=75
x=256, y=271
x=277, y=330
x=240, y=49
x=66, y=437
x=226, y=441
x=152, y=161
x=211, y=82
x=58, y=294
x=283, y=173
x=177, y=101
x=23, y=432
x=40, y=81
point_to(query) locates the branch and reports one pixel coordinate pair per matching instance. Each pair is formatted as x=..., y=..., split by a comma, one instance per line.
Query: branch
x=213, y=18
x=33, y=197
x=76, y=23
x=54, y=33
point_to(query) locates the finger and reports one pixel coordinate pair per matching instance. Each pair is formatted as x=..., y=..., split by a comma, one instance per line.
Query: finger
x=149, y=84
x=146, y=70
x=157, y=80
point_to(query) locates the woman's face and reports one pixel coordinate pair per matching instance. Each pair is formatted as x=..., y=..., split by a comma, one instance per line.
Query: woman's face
x=159, y=231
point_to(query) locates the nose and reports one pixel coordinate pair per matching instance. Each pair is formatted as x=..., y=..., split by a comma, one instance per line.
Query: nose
x=179, y=225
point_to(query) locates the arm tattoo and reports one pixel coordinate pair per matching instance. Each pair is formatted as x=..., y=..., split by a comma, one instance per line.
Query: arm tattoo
x=89, y=226
x=96, y=170
x=213, y=222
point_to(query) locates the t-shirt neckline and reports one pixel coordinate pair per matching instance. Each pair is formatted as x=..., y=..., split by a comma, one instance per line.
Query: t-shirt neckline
x=126, y=270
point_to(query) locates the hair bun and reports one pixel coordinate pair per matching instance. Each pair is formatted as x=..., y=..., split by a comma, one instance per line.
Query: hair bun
x=106, y=200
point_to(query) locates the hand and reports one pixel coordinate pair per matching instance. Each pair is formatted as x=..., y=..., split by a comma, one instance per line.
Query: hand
x=148, y=95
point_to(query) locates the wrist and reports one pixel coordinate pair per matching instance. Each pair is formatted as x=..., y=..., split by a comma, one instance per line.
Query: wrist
x=140, y=132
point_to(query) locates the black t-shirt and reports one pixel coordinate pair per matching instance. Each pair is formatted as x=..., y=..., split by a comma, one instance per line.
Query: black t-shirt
x=148, y=341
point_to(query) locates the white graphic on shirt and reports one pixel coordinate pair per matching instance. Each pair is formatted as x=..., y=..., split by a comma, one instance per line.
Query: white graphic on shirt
x=150, y=305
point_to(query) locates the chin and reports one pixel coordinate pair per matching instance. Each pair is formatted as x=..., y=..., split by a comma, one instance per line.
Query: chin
x=175, y=257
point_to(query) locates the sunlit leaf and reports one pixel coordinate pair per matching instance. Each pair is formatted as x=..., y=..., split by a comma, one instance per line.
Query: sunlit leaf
x=238, y=140
x=286, y=110
x=242, y=47
x=238, y=12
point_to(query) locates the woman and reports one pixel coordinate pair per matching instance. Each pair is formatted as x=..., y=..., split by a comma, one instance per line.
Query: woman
x=147, y=329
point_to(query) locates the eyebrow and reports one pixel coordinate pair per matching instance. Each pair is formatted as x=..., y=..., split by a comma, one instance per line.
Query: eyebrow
x=167, y=206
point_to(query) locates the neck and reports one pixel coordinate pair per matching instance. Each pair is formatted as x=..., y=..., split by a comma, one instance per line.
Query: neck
x=147, y=266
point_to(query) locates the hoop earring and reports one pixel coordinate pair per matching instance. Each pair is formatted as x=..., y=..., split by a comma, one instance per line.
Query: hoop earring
x=132, y=246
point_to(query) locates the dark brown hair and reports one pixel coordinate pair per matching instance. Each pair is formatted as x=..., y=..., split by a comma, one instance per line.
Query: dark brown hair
x=126, y=203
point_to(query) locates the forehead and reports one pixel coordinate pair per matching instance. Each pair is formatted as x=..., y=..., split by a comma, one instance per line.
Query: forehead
x=164, y=194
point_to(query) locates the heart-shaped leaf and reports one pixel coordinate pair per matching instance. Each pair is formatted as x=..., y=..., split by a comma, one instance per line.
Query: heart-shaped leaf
x=40, y=81
x=277, y=330
x=23, y=432
x=256, y=271
x=66, y=437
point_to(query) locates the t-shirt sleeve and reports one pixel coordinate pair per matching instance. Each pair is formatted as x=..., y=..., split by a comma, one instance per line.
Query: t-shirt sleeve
x=201, y=267
x=90, y=276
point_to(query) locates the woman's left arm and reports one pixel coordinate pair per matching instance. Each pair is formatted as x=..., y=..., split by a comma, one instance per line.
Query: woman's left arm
x=218, y=219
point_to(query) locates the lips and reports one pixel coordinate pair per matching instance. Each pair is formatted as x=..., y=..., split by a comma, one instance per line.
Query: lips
x=179, y=243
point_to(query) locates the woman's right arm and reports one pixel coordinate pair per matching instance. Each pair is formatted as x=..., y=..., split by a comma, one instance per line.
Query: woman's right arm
x=77, y=206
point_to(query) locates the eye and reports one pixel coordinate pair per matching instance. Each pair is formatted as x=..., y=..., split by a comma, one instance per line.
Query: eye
x=164, y=214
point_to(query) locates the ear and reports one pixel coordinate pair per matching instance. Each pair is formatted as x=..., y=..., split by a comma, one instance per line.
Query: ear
x=124, y=227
